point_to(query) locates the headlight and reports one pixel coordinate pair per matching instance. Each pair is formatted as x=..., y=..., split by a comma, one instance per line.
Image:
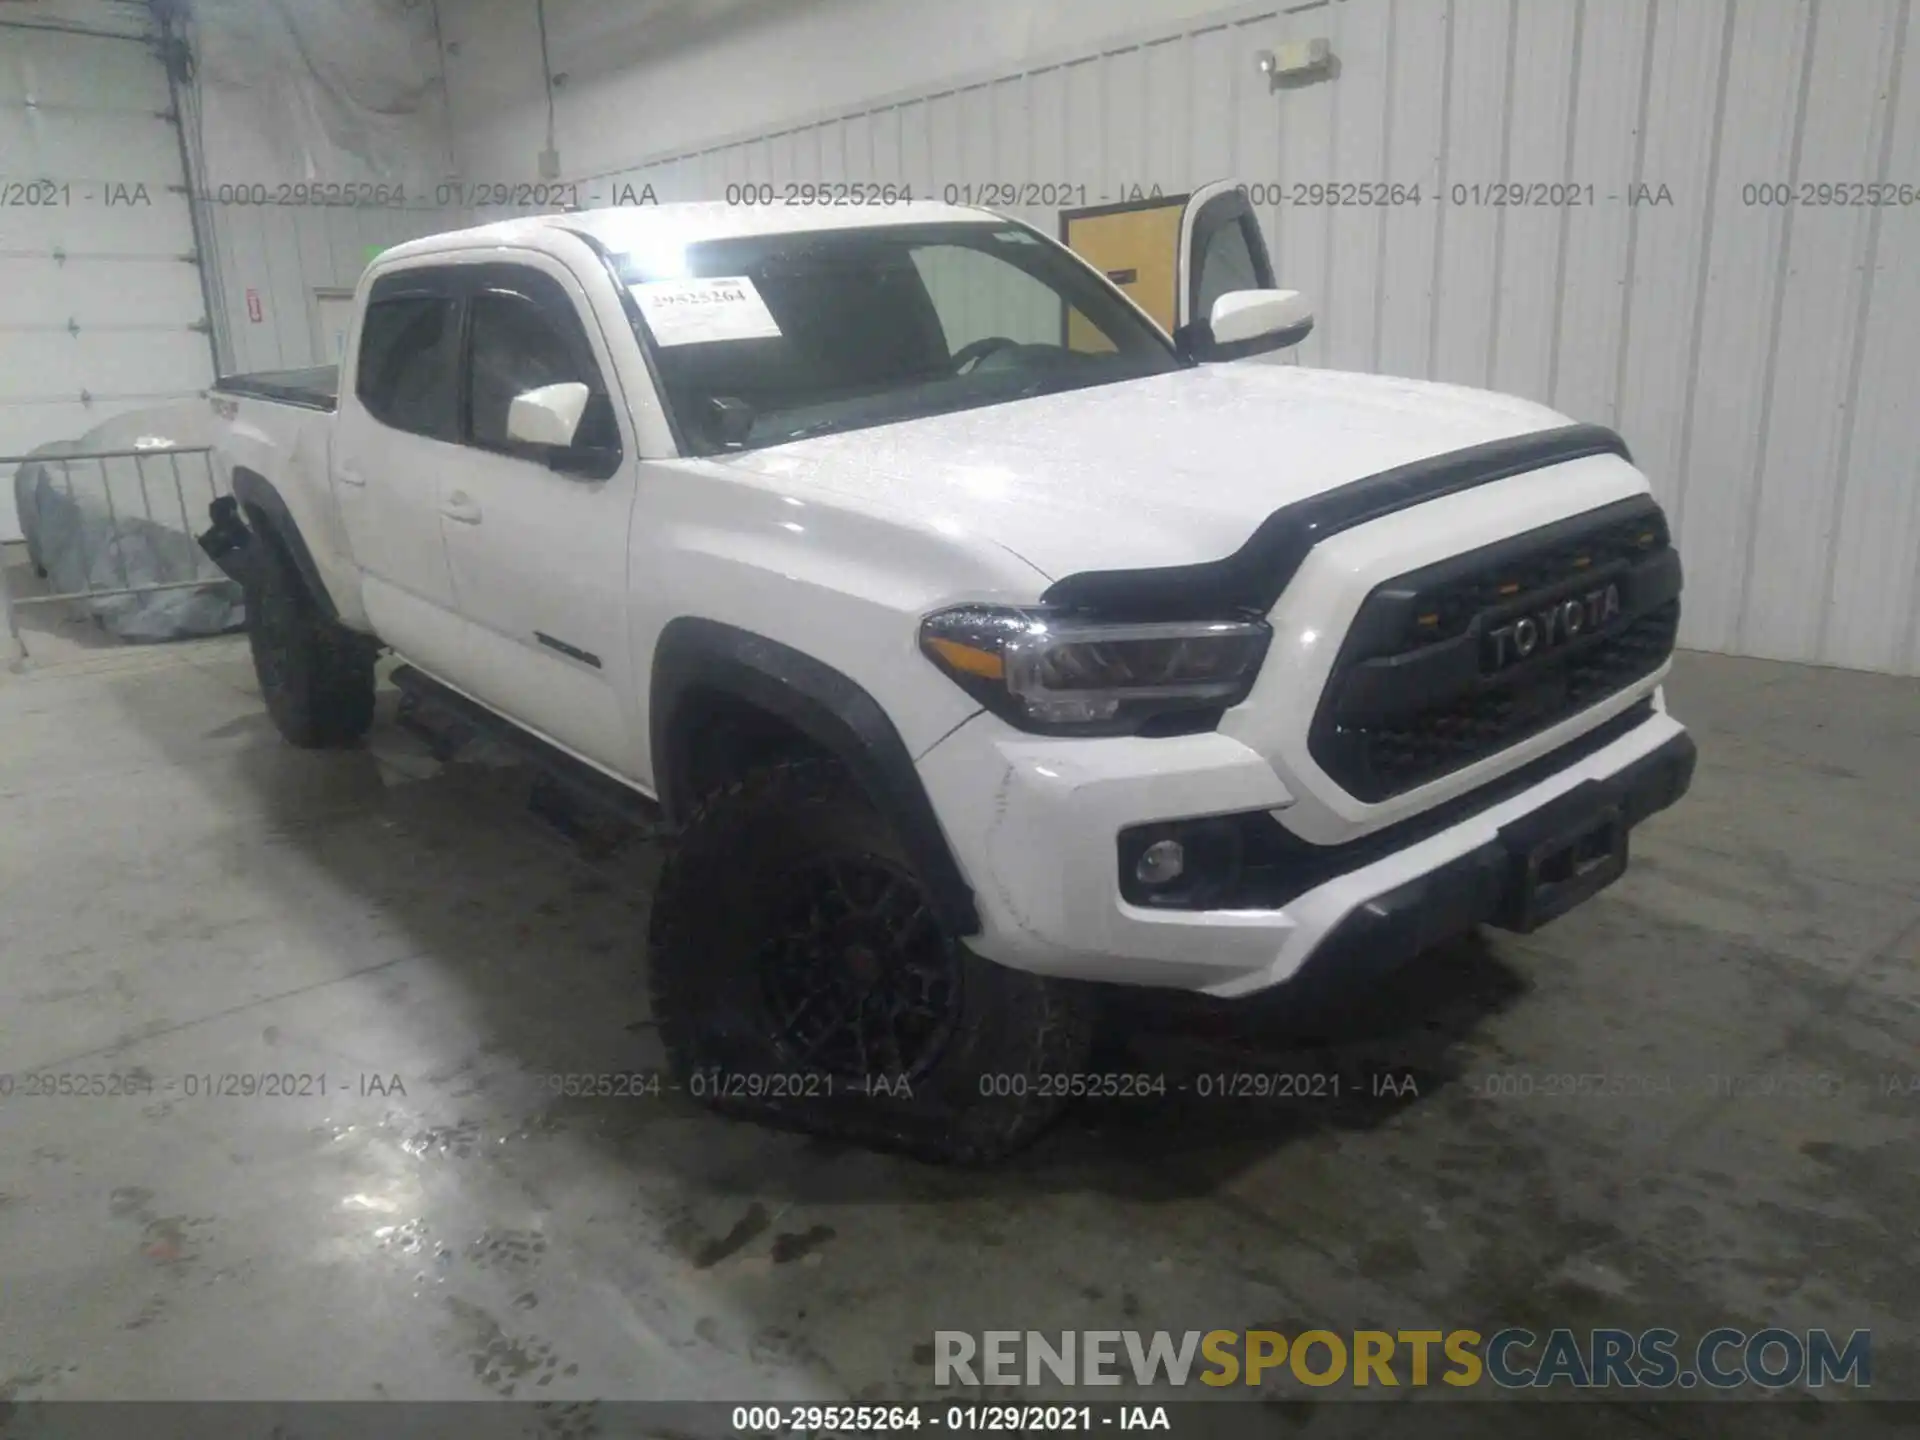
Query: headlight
x=1062, y=674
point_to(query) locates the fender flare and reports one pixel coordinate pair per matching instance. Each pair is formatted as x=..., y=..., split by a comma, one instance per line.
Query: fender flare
x=833, y=711
x=263, y=505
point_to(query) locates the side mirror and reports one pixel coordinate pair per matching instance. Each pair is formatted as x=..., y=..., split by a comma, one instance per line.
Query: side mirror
x=1248, y=322
x=1282, y=316
x=548, y=416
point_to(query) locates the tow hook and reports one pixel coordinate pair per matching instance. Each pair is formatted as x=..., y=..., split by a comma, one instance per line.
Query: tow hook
x=229, y=543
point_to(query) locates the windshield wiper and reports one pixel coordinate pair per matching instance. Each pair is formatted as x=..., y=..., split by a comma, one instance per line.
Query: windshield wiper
x=1049, y=384
x=807, y=431
x=1054, y=384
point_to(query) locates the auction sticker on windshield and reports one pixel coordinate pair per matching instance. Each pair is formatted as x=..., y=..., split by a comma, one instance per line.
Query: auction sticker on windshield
x=692, y=312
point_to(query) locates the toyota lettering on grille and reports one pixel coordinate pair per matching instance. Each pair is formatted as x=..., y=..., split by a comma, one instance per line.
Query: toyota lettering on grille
x=1551, y=626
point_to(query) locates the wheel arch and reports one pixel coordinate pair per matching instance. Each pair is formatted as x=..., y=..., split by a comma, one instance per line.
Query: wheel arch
x=699, y=664
x=267, y=514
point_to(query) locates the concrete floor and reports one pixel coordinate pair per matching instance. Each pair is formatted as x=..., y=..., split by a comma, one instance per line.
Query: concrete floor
x=183, y=895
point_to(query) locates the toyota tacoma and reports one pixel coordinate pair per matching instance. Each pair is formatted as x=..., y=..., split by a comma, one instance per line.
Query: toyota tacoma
x=977, y=642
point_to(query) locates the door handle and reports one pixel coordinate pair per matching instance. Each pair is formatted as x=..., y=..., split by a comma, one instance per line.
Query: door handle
x=459, y=506
x=347, y=475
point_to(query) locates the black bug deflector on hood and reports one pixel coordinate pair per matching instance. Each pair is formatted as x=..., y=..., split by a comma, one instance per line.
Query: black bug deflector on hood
x=1252, y=578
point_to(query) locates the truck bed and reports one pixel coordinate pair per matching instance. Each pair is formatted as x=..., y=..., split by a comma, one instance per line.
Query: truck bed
x=316, y=388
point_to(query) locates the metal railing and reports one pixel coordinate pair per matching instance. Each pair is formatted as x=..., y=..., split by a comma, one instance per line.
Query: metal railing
x=116, y=477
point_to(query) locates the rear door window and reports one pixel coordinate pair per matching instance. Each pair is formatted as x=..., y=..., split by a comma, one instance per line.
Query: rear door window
x=407, y=372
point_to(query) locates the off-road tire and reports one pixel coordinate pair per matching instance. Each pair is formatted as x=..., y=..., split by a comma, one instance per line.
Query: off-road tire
x=984, y=1090
x=315, y=675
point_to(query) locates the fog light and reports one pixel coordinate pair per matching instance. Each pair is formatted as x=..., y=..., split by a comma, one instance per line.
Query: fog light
x=1161, y=862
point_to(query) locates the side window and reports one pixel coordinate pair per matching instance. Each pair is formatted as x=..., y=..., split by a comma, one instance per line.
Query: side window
x=1226, y=264
x=519, y=343
x=408, y=365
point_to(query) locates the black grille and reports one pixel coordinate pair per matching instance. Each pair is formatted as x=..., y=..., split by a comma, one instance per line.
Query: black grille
x=1448, y=608
x=1414, y=695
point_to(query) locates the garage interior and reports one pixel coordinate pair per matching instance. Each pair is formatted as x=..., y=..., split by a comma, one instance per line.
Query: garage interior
x=184, y=895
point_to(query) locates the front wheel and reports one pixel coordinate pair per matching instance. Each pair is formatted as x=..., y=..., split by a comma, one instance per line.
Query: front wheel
x=799, y=975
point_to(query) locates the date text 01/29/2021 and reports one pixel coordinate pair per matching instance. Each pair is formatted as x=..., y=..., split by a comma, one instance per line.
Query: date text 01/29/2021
x=712, y=1083
x=199, y=1085
x=984, y=1417
x=715, y=1084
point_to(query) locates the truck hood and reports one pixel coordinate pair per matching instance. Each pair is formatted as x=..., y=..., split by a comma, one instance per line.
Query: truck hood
x=1168, y=470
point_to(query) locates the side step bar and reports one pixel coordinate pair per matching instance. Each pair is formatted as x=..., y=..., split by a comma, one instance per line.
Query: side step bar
x=436, y=707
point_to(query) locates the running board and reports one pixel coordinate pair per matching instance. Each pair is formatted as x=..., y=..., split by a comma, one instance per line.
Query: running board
x=578, y=781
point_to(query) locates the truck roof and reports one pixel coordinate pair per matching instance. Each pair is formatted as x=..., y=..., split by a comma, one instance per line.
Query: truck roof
x=627, y=228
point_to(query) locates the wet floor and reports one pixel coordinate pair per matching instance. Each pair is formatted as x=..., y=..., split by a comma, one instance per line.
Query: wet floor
x=310, y=1022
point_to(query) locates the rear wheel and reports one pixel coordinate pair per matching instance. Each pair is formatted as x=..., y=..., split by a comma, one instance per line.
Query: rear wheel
x=799, y=975
x=315, y=676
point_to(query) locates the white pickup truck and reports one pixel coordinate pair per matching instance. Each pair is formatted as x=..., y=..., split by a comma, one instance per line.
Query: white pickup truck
x=973, y=637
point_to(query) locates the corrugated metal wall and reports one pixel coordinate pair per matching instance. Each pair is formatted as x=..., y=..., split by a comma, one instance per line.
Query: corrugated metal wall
x=283, y=254
x=316, y=135
x=1763, y=360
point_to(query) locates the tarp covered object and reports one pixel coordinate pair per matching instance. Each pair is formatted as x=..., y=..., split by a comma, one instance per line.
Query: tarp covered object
x=127, y=522
x=27, y=478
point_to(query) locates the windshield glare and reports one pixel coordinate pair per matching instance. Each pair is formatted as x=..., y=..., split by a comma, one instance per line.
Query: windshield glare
x=800, y=334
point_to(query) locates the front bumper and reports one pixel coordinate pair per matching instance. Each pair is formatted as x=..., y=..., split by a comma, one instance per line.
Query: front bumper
x=1037, y=840
x=1481, y=886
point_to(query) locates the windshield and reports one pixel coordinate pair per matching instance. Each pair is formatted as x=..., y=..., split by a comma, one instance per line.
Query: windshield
x=762, y=339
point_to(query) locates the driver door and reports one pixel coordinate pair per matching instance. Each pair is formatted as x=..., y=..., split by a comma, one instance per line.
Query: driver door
x=1175, y=255
x=1221, y=249
x=1224, y=250
x=539, y=555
